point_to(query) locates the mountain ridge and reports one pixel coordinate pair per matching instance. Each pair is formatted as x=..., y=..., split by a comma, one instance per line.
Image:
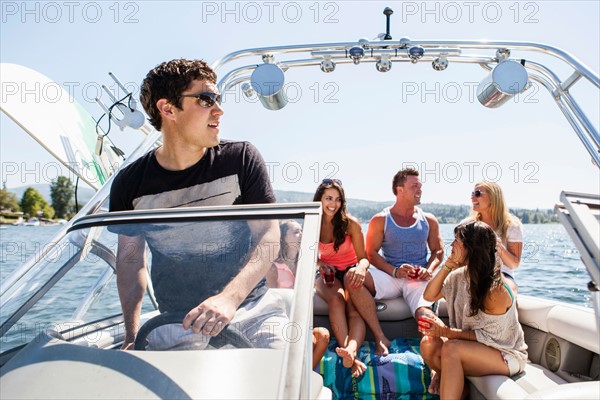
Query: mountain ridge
x=362, y=209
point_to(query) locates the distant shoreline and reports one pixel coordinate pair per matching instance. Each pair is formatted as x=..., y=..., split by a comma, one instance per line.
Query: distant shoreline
x=364, y=210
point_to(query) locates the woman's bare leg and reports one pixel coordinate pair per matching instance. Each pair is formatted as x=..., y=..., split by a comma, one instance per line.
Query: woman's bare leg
x=362, y=297
x=356, y=337
x=431, y=351
x=320, y=342
x=335, y=298
x=460, y=358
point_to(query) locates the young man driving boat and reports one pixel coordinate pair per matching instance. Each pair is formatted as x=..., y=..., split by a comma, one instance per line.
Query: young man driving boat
x=193, y=167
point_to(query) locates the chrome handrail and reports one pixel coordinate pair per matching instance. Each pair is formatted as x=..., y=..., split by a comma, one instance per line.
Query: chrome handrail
x=454, y=51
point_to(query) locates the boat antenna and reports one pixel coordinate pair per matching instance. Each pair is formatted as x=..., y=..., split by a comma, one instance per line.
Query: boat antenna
x=387, y=12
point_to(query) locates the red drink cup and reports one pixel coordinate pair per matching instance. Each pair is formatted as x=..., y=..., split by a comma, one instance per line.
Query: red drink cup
x=415, y=273
x=328, y=276
x=424, y=323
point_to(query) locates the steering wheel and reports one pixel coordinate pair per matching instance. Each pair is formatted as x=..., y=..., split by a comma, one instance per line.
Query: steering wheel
x=229, y=334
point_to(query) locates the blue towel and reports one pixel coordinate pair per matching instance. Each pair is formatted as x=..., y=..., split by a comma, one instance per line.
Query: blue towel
x=400, y=375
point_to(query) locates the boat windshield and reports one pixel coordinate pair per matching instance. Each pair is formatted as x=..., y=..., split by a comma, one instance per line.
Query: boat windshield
x=191, y=255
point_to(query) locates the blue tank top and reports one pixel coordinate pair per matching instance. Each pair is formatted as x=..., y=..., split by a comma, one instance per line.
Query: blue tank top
x=405, y=245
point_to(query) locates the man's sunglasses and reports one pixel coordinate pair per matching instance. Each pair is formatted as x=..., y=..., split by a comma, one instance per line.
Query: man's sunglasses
x=205, y=99
x=477, y=193
x=328, y=181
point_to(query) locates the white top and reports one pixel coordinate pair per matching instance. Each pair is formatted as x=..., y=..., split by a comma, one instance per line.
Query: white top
x=514, y=234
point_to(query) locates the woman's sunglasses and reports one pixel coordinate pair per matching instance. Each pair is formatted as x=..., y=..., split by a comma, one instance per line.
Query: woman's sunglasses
x=205, y=99
x=477, y=193
x=328, y=181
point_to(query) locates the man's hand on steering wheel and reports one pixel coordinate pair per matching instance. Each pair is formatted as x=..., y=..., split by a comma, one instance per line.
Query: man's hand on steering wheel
x=230, y=335
x=211, y=316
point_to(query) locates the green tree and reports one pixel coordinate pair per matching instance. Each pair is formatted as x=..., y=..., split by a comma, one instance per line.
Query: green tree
x=32, y=202
x=8, y=200
x=62, y=195
x=48, y=211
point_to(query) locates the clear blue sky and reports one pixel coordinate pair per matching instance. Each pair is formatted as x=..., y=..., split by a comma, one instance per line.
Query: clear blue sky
x=356, y=123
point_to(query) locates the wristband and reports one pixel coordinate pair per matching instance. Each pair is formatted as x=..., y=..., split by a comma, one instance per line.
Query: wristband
x=446, y=268
x=394, y=272
x=368, y=263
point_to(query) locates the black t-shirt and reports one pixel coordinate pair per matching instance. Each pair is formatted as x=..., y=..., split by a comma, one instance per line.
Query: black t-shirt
x=193, y=261
x=230, y=173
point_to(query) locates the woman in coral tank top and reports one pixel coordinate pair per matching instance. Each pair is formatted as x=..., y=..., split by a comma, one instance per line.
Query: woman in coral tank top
x=342, y=262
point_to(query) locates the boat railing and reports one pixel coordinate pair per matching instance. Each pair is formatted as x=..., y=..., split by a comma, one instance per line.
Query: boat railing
x=579, y=213
x=487, y=54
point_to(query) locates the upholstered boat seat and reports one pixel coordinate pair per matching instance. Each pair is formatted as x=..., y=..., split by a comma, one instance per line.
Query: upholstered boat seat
x=551, y=329
x=394, y=315
x=387, y=310
x=533, y=379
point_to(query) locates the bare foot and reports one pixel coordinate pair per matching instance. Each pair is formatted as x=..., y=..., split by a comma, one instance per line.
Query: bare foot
x=347, y=356
x=358, y=368
x=381, y=346
x=434, y=386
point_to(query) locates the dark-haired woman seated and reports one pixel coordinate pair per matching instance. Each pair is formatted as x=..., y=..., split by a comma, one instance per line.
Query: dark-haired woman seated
x=342, y=262
x=484, y=336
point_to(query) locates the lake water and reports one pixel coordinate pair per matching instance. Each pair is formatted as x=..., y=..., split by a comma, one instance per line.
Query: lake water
x=550, y=265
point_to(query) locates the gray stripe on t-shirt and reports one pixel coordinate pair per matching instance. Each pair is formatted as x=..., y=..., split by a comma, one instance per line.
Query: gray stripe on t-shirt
x=221, y=191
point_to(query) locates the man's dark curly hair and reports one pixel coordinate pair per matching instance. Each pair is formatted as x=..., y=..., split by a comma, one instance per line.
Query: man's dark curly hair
x=168, y=80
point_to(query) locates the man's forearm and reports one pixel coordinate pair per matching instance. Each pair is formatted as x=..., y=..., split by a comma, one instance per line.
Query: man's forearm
x=435, y=259
x=131, y=289
x=380, y=263
x=131, y=281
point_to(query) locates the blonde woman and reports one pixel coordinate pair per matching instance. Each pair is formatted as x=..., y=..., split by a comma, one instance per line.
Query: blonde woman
x=489, y=207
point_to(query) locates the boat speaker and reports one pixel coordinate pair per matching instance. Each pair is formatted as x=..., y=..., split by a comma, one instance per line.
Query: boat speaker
x=268, y=81
x=506, y=80
x=552, y=354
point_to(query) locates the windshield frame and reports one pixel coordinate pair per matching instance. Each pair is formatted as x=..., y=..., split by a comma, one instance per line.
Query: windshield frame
x=296, y=357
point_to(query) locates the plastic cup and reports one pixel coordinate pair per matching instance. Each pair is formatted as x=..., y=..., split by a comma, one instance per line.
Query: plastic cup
x=328, y=276
x=415, y=273
x=426, y=324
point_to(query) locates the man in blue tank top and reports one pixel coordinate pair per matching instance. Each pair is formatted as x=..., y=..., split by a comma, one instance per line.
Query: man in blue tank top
x=398, y=240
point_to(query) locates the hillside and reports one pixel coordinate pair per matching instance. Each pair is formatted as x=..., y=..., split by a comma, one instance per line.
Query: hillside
x=445, y=213
x=361, y=209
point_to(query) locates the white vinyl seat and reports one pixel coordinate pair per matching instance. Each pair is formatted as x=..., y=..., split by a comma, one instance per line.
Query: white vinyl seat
x=575, y=390
x=533, y=379
x=387, y=310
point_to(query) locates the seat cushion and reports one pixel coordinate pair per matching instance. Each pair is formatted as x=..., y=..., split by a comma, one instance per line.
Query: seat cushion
x=387, y=310
x=576, y=390
x=533, y=379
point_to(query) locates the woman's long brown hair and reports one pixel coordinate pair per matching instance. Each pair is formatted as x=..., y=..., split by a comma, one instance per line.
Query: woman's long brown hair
x=340, y=219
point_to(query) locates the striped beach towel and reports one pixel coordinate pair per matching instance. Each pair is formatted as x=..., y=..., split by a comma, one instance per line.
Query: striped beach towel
x=400, y=375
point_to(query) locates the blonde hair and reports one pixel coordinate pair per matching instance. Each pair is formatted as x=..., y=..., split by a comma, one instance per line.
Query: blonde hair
x=501, y=217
